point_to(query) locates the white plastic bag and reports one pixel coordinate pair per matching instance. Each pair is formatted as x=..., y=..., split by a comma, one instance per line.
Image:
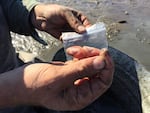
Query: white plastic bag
x=95, y=36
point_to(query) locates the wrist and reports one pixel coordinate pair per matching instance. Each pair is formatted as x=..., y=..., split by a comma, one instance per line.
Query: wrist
x=34, y=16
x=14, y=92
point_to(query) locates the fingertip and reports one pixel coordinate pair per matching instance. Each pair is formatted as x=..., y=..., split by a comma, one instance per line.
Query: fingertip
x=108, y=59
x=99, y=63
x=87, y=24
x=91, y=51
x=88, y=48
x=81, y=29
x=73, y=50
x=104, y=51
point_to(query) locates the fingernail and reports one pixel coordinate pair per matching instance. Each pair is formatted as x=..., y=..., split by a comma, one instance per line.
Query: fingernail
x=90, y=49
x=105, y=49
x=73, y=50
x=98, y=63
x=81, y=28
x=106, y=52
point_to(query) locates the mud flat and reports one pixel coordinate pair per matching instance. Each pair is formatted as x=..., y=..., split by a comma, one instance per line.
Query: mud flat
x=127, y=21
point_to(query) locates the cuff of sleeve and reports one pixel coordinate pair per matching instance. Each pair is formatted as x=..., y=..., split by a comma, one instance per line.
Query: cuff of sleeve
x=30, y=4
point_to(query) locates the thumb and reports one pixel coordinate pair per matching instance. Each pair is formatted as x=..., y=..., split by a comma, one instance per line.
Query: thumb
x=82, y=68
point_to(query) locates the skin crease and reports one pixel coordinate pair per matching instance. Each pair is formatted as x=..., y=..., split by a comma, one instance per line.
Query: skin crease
x=75, y=89
x=62, y=86
x=60, y=19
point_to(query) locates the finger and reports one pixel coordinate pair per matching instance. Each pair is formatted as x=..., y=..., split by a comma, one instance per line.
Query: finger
x=82, y=52
x=74, y=22
x=71, y=97
x=76, y=52
x=106, y=74
x=85, y=21
x=91, y=51
x=80, y=69
x=81, y=81
x=79, y=96
x=90, y=91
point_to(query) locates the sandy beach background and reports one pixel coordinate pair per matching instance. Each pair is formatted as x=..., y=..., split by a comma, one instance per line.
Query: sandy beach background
x=127, y=21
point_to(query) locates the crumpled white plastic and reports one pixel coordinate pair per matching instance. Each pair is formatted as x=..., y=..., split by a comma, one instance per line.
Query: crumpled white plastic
x=95, y=36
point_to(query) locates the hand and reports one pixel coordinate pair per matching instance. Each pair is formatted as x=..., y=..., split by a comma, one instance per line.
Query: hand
x=55, y=19
x=71, y=85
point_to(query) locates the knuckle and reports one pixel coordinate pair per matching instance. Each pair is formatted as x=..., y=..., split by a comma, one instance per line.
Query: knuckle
x=79, y=106
x=76, y=102
x=82, y=69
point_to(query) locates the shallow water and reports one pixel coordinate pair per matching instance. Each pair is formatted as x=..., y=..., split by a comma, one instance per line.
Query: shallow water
x=127, y=23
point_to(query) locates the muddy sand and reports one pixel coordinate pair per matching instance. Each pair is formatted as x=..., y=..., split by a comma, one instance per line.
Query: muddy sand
x=127, y=21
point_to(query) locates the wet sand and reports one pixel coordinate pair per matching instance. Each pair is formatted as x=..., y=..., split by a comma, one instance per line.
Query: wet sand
x=127, y=21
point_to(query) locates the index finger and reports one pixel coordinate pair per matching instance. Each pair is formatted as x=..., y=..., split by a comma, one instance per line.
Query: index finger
x=79, y=52
x=77, y=21
x=84, y=20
